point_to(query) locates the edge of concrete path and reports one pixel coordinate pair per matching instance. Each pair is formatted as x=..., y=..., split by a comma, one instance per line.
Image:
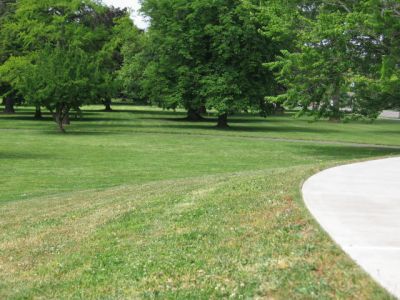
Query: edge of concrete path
x=314, y=202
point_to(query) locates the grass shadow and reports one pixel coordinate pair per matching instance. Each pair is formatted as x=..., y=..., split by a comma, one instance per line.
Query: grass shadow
x=346, y=152
x=21, y=155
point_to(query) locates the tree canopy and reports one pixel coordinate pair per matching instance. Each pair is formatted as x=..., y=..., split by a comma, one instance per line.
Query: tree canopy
x=66, y=54
x=329, y=58
x=205, y=54
x=342, y=58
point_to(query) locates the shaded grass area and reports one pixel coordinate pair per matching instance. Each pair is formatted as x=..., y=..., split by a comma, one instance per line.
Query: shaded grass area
x=140, y=204
x=131, y=119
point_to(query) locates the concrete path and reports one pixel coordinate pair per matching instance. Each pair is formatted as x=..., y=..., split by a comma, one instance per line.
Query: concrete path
x=359, y=206
x=390, y=114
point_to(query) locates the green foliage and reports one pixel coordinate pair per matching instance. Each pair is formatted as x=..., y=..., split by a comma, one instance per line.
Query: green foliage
x=119, y=29
x=204, y=53
x=345, y=57
x=68, y=53
x=53, y=77
x=330, y=57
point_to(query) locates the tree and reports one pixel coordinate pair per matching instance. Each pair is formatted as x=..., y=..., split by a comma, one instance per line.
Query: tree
x=207, y=53
x=61, y=63
x=135, y=60
x=6, y=91
x=172, y=56
x=60, y=79
x=344, y=58
x=235, y=79
x=379, y=25
x=119, y=28
x=314, y=72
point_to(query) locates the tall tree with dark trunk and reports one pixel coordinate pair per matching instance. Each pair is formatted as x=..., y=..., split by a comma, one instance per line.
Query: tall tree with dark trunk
x=377, y=87
x=173, y=56
x=234, y=79
x=8, y=97
x=9, y=105
x=38, y=112
x=119, y=28
x=207, y=54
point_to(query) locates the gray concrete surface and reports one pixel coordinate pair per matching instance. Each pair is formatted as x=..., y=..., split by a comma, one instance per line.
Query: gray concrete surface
x=359, y=206
x=390, y=114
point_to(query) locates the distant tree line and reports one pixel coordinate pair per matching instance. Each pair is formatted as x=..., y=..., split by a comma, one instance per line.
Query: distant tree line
x=328, y=58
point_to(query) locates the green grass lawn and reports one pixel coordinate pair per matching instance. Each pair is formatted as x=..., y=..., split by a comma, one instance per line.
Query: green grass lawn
x=140, y=204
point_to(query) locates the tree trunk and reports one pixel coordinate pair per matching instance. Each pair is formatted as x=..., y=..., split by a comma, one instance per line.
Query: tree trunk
x=223, y=121
x=202, y=110
x=107, y=104
x=38, y=112
x=60, y=123
x=193, y=115
x=335, y=117
x=279, y=109
x=9, y=105
x=66, y=120
x=61, y=116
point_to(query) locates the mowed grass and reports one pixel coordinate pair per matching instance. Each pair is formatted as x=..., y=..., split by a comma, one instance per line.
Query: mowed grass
x=139, y=204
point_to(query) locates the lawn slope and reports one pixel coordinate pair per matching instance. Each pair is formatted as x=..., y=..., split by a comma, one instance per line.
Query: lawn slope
x=124, y=212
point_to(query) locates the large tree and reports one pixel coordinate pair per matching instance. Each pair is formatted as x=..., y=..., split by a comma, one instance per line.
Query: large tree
x=235, y=79
x=172, y=55
x=314, y=71
x=378, y=87
x=207, y=53
x=136, y=57
x=344, y=57
x=119, y=29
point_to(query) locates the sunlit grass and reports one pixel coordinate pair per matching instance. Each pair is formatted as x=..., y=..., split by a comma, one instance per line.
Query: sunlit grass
x=138, y=204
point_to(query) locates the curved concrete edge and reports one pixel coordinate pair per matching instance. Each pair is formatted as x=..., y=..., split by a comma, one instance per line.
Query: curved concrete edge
x=359, y=207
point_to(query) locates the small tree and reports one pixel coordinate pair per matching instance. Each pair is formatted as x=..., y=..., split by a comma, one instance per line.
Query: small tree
x=6, y=91
x=59, y=79
x=61, y=64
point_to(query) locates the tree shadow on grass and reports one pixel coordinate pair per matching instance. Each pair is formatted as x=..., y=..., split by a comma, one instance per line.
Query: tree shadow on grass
x=71, y=132
x=340, y=152
x=394, y=132
x=283, y=129
x=21, y=155
x=258, y=129
x=155, y=112
x=210, y=118
x=99, y=119
x=86, y=118
x=27, y=118
x=196, y=127
x=182, y=119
